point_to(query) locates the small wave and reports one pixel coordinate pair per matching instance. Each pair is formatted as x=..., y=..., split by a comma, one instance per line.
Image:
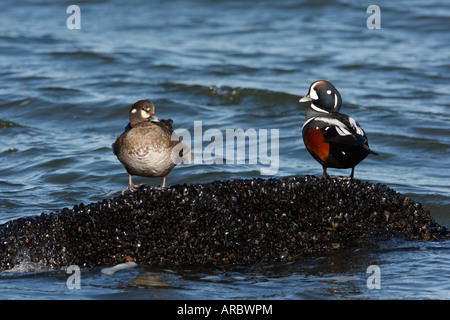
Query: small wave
x=27, y=266
x=60, y=89
x=23, y=263
x=9, y=124
x=10, y=150
x=83, y=55
x=226, y=95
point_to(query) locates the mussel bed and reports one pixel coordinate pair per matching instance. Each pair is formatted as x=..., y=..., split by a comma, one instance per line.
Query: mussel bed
x=218, y=223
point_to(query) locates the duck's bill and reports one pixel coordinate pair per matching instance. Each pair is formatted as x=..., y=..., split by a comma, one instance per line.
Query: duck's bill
x=305, y=99
x=154, y=118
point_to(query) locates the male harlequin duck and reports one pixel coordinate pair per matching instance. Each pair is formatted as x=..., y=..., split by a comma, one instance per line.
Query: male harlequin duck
x=148, y=147
x=334, y=139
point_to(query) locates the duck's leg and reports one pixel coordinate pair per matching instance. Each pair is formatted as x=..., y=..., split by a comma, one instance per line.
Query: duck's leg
x=349, y=177
x=130, y=187
x=130, y=181
x=325, y=175
x=164, y=183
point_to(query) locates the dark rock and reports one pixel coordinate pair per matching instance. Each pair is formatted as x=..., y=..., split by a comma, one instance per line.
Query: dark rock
x=222, y=222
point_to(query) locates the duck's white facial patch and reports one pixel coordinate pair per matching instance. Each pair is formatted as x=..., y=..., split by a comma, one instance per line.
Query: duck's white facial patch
x=328, y=91
x=145, y=114
x=133, y=111
x=313, y=94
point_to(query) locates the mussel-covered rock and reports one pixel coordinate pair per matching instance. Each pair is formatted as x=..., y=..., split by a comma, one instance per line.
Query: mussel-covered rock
x=221, y=222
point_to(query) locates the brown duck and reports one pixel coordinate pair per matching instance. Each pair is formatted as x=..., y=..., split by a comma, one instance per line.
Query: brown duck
x=148, y=147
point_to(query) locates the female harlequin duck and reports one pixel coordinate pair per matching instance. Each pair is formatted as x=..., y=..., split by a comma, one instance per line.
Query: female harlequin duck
x=334, y=139
x=148, y=147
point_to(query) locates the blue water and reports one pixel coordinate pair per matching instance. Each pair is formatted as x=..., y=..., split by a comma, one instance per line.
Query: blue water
x=65, y=96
